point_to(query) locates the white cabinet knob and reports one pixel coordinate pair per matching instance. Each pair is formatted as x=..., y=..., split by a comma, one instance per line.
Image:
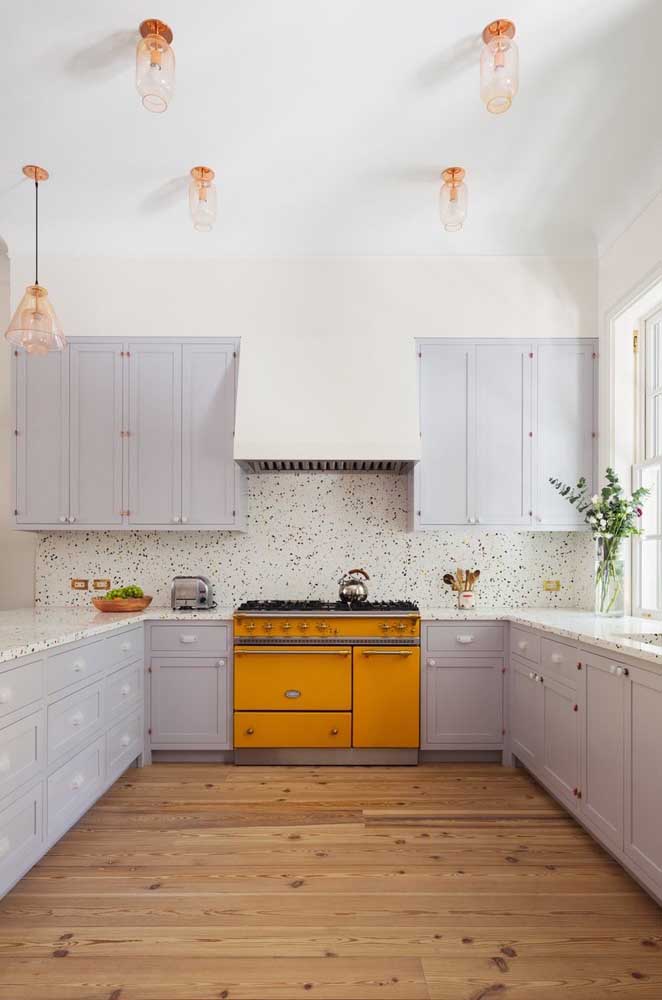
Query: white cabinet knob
x=188, y=639
x=522, y=644
x=63, y=519
x=71, y=520
x=5, y=764
x=76, y=782
x=432, y=663
x=126, y=647
x=464, y=639
x=619, y=671
x=78, y=666
x=532, y=676
x=125, y=690
x=221, y=663
x=126, y=739
x=176, y=520
x=184, y=519
x=5, y=696
x=557, y=658
x=4, y=846
x=612, y=668
x=77, y=719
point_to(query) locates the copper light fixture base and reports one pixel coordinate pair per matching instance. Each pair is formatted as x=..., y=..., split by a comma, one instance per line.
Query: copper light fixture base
x=498, y=29
x=152, y=26
x=203, y=174
x=453, y=175
x=35, y=173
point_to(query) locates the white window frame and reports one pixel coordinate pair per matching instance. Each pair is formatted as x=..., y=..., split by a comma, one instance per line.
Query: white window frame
x=648, y=453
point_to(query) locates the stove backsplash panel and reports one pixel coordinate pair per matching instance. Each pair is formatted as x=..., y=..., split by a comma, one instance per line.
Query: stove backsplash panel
x=304, y=530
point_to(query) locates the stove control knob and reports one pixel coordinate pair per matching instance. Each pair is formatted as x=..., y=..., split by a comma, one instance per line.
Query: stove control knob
x=286, y=626
x=322, y=626
x=385, y=626
x=250, y=626
x=401, y=626
x=304, y=626
x=268, y=626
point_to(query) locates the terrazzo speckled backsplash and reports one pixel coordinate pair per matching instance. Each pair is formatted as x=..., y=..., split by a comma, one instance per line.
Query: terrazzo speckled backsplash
x=303, y=531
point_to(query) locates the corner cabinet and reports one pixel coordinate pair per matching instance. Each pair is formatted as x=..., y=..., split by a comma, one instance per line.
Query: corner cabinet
x=134, y=433
x=498, y=419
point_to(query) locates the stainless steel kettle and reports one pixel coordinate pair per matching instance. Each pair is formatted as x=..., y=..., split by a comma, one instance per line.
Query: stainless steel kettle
x=353, y=589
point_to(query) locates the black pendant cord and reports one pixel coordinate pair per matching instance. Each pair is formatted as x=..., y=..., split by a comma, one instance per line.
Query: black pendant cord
x=36, y=231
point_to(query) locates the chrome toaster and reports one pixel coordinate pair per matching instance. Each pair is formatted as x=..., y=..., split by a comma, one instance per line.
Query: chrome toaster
x=191, y=593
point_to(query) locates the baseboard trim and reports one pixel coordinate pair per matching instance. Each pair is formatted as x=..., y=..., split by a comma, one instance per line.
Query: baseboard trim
x=320, y=758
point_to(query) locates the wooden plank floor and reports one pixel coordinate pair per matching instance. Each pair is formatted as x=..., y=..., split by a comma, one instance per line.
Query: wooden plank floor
x=444, y=882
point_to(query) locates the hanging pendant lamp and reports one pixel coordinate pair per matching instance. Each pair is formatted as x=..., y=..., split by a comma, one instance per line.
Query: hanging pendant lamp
x=453, y=199
x=34, y=326
x=202, y=199
x=499, y=66
x=155, y=66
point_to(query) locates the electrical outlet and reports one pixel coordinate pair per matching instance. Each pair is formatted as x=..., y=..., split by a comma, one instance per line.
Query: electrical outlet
x=100, y=584
x=551, y=585
x=80, y=584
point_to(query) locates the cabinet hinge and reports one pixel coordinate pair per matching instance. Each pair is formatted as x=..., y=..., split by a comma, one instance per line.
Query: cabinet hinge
x=128, y=354
x=635, y=341
x=234, y=513
x=530, y=354
x=420, y=355
x=530, y=434
x=418, y=513
x=595, y=355
x=503, y=670
x=149, y=670
x=234, y=354
x=15, y=513
x=15, y=432
x=503, y=732
x=594, y=434
x=149, y=732
x=15, y=354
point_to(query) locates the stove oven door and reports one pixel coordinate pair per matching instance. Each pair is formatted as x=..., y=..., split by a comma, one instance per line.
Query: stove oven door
x=386, y=696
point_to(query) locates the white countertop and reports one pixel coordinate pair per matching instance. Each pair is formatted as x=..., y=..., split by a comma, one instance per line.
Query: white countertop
x=580, y=626
x=31, y=630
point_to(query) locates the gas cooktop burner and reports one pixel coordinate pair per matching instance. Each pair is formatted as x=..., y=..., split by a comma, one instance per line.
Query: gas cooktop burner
x=303, y=607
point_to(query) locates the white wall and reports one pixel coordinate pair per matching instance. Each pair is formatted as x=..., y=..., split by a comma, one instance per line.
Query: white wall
x=17, y=549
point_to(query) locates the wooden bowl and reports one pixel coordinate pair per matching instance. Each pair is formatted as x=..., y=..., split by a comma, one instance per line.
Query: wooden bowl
x=121, y=604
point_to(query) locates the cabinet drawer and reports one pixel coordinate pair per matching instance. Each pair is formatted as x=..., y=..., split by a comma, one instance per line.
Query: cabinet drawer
x=189, y=639
x=20, y=686
x=125, y=742
x=124, y=690
x=525, y=644
x=125, y=646
x=22, y=752
x=73, y=720
x=292, y=729
x=75, y=786
x=293, y=679
x=74, y=665
x=464, y=637
x=21, y=836
x=559, y=661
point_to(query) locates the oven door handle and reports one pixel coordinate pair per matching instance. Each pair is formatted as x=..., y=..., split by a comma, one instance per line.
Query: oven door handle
x=386, y=652
x=286, y=651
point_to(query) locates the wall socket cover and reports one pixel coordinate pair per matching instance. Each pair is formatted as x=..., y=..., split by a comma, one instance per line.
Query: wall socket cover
x=77, y=584
x=101, y=584
x=551, y=585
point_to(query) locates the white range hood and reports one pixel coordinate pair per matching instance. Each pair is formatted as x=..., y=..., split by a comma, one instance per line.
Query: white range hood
x=327, y=404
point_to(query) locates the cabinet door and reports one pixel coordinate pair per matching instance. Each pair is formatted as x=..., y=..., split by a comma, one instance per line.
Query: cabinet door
x=155, y=438
x=603, y=748
x=462, y=702
x=42, y=425
x=95, y=440
x=442, y=479
x=386, y=697
x=189, y=702
x=560, y=736
x=643, y=787
x=208, y=468
x=503, y=433
x=526, y=717
x=563, y=436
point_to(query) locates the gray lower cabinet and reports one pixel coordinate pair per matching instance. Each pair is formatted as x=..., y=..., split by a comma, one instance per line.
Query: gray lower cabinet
x=560, y=741
x=463, y=703
x=603, y=758
x=190, y=685
x=71, y=721
x=643, y=786
x=189, y=702
x=526, y=713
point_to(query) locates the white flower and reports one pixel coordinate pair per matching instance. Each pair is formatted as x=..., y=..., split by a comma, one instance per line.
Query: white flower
x=595, y=498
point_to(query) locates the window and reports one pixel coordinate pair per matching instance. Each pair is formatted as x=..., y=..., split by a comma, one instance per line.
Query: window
x=647, y=549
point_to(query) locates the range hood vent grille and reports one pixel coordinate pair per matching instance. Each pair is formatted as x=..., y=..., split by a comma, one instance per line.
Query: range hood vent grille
x=330, y=465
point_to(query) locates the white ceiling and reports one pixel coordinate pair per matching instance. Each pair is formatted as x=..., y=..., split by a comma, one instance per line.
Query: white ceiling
x=328, y=125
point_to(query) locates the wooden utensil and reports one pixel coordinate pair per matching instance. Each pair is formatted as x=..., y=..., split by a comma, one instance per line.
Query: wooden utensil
x=451, y=581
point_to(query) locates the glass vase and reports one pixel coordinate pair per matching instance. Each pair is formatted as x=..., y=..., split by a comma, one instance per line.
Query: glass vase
x=609, y=578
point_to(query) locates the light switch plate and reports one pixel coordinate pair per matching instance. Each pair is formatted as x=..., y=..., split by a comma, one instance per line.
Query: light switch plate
x=551, y=585
x=100, y=584
x=77, y=584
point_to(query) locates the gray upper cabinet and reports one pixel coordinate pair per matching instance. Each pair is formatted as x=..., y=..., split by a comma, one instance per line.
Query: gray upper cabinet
x=443, y=483
x=209, y=473
x=154, y=433
x=498, y=419
x=566, y=387
x=41, y=434
x=95, y=442
x=503, y=433
x=123, y=433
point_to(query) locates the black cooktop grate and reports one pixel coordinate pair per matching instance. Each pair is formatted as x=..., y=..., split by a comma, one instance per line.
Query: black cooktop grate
x=301, y=607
